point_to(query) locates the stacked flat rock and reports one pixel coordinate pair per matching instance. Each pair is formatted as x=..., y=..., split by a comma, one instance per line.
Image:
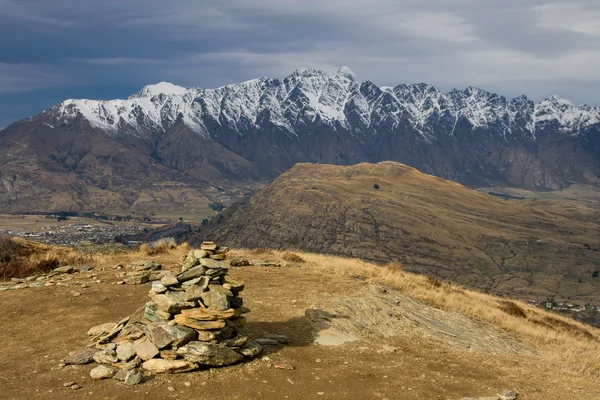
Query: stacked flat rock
x=194, y=320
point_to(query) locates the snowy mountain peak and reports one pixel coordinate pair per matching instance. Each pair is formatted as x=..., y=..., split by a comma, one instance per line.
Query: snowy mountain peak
x=307, y=72
x=346, y=72
x=309, y=96
x=569, y=116
x=166, y=88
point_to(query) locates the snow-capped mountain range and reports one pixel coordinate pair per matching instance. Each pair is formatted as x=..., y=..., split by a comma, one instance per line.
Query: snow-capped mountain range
x=218, y=144
x=336, y=99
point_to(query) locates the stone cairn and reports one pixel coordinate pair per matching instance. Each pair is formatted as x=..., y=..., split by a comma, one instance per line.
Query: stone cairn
x=194, y=320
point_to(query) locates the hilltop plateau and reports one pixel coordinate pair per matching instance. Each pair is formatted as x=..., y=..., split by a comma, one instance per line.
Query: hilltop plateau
x=391, y=212
x=406, y=336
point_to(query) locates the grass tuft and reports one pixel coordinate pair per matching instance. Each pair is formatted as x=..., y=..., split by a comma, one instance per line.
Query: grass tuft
x=162, y=246
x=292, y=257
x=20, y=258
x=513, y=309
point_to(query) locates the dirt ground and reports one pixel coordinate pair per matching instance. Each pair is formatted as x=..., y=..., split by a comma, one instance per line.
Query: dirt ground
x=39, y=326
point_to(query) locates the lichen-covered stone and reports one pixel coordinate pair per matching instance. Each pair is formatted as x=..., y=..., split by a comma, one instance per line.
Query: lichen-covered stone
x=163, y=335
x=210, y=354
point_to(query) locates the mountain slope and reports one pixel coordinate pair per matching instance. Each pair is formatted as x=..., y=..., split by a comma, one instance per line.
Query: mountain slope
x=245, y=134
x=81, y=168
x=431, y=225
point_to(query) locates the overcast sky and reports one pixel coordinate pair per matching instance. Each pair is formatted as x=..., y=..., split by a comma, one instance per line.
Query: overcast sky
x=52, y=50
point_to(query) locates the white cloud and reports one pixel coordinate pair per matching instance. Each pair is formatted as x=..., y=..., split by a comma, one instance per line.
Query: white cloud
x=438, y=26
x=536, y=47
x=575, y=16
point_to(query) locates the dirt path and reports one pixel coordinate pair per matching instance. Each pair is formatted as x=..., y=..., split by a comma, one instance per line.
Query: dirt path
x=39, y=326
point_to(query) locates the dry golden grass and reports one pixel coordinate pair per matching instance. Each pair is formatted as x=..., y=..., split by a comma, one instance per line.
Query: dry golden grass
x=292, y=257
x=162, y=246
x=22, y=258
x=571, y=346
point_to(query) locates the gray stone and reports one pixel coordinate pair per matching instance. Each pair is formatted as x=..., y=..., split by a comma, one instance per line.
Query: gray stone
x=508, y=395
x=210, y=246
x=82, y=358
x=169, y=280
x=100, y=329
x=215, y=274
x=134, y=377
x=181, y=319
x=163, y=335
x=213, y=264
x=106, y=356
x=222, y=250
x=102, y=372
x=190, y=262
x=236, y=341
x=153, y=314
x=145, y=266
x=158, y=287
x=221, y=334
x=250, y=349
x=279, y=338
x=146, y=350
x=239, y=263
x=267, y=342
x=127, y=366
x=121, y=375
x=220, y=288
x=131, y=332
x=171, y=303
x=169, y=354
x=191, y=282
x=206, y=314
x=125, y=351
x=138, y=279
x=194, y=293
x=191, y=273
x=201, y=254
x=210, y=354
x=64, y=270
x=215, y=300
x=235, y=285
x=160, y=366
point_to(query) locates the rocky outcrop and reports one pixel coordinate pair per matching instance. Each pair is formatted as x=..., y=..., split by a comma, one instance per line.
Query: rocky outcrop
x=192, y=321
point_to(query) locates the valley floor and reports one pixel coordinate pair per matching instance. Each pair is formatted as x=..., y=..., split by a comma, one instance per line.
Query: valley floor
x=41, y=325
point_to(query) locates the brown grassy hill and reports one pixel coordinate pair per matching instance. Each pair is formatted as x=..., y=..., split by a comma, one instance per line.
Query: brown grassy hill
x=416, y=338
x=429, y=224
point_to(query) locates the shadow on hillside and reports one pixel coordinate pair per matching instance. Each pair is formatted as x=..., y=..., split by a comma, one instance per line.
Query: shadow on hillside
x=298, y=329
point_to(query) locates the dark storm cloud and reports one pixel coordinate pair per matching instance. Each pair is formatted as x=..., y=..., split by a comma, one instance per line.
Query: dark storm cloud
x=106, y=49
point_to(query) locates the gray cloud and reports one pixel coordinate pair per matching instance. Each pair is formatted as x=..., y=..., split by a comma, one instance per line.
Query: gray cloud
x=73, y=48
